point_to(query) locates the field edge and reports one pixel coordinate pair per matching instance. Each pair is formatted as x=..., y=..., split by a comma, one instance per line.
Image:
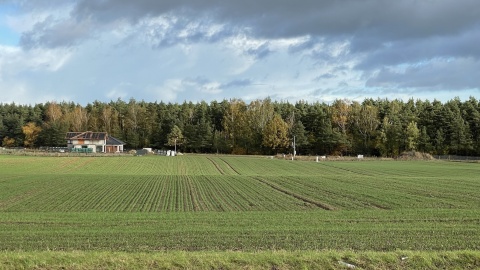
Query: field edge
x=326, y=259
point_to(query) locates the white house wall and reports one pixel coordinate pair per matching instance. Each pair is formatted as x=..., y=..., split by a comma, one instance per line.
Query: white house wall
x=89, y=143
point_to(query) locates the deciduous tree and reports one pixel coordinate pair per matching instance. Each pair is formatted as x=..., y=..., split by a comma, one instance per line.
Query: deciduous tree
x=31, y=132
x=175, y=137
x=275, y=134
x=413, y=133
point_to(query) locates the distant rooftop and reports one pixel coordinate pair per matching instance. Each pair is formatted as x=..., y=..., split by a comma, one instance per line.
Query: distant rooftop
x=88, y=135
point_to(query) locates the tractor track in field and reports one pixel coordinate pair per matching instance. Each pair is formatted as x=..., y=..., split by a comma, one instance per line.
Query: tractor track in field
x=230, y=166
x=296, y=196
x=216, y=166
x=347, y=170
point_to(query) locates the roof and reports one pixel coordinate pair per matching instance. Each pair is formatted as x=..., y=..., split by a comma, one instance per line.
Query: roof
x=114, y=141
x=88, y=135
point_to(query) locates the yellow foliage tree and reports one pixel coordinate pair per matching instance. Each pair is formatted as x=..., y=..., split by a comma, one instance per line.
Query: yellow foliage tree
x=8, y=142
x=31, y=132
x=275, y=134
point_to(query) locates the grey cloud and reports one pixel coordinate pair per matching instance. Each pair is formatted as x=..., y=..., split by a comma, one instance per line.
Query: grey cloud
x=199, y=81
x=438, y=75
x=412, y=51
x=53, y=33
x=237, y=83
x=37, y=5
x=260, y=52
x=325, y=76
x=180, y=30
x=386, y=20
x=308, y=44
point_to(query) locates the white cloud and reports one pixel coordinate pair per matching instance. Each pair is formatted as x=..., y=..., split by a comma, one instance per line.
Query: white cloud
x=14, y=60
x=119, y=91
x=168, y=92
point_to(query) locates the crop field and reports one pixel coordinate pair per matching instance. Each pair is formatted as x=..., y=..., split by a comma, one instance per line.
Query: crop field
x=228, y=203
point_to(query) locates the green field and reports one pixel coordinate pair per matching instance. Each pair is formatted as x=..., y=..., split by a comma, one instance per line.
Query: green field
x=252, y=205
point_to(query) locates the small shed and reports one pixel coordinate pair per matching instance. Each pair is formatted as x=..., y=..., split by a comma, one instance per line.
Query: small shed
x=142, y=152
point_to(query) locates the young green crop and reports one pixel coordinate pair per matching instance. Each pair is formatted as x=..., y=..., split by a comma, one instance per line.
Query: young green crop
x=203, y=183
x=236, y=203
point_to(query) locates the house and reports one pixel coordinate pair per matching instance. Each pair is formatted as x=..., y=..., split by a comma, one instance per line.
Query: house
x=93, y=142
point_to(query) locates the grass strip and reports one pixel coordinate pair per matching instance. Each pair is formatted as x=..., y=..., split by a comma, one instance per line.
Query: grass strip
x=328, y=259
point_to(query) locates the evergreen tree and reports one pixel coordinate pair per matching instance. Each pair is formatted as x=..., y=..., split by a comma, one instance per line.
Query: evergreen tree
x=440, y=147
x=424, y=144
x=301, y=139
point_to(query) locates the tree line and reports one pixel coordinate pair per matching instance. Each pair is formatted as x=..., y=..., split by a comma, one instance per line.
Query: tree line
x=378, y=127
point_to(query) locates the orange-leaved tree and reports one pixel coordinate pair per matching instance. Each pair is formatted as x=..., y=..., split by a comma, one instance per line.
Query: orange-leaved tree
x=31, y=132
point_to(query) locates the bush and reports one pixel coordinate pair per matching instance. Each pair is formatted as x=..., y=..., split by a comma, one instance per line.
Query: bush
x=413, y=155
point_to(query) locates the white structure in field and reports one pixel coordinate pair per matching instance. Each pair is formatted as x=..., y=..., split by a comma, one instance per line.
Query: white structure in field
x=95, y=142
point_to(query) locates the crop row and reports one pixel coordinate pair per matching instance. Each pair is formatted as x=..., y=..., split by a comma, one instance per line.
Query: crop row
x=201, y=183
x=149, y=165
x=247, y=231
x=145, y=193
x=231, y=165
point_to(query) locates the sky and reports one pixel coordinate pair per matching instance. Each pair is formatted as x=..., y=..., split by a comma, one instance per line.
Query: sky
x=202, y=50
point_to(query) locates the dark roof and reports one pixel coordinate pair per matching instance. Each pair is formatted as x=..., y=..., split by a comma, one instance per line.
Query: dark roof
x=89, y=135
x=72, y=134
x=114, y=141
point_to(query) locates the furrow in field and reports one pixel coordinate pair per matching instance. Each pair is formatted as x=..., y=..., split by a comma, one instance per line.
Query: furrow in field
x=346, y=169
x=218, y=193
x=258, y=199
x=179, y=203
x=233, y=195
x=229, y=166
x=321, y=190
x=216, y=166
x=192, y=193
x=204, y=202
x=297, y=196
x=133, y=195
x=145, y=194
x=110, y=202
x=153, y=190
x=168, y=201
x=159, y=188
x=188, y=199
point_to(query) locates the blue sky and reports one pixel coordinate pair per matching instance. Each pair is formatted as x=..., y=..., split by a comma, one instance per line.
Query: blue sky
x=178, y=50
x=8, y=36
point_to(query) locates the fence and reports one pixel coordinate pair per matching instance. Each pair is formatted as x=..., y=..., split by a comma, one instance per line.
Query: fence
x=457, y=158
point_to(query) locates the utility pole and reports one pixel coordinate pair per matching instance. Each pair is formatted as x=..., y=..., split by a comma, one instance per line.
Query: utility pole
x=294, y=150
x=175, y=147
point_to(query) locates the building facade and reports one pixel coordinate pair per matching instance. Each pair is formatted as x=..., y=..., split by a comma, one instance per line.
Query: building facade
x=93, y=142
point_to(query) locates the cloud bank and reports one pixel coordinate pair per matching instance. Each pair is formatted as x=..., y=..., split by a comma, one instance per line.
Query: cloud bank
x=176, y=50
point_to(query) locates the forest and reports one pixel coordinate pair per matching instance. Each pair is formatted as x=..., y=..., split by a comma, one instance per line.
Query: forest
x=378, y=127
